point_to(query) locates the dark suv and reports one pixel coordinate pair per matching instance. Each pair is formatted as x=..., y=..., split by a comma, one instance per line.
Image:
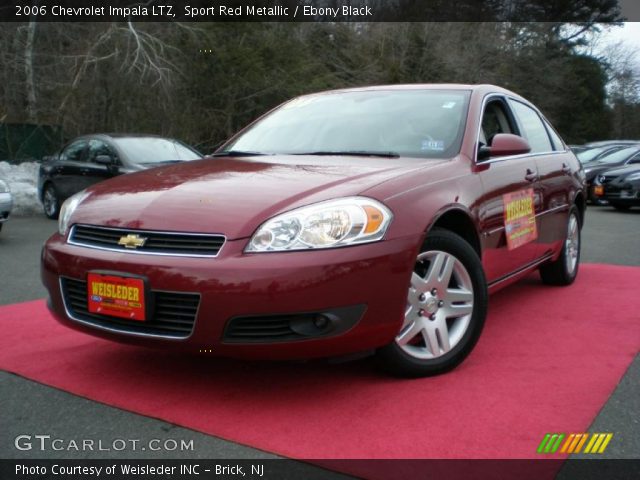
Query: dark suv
x=92, y=158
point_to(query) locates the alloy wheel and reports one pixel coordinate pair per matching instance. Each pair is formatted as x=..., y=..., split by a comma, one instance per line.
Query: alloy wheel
x=50, y=202
x=439, y=306
x=572, y=244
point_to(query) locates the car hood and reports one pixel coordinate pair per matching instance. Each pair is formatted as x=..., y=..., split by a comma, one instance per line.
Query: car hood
x=594, y=168
x=626, y=170
x=231, y=196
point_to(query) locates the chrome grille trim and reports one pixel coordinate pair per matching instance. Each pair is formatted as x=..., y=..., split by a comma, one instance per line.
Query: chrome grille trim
x=174, y=239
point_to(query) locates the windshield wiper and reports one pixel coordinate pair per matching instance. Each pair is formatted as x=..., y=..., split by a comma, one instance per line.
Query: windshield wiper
x=236, y=153
x=354, y=153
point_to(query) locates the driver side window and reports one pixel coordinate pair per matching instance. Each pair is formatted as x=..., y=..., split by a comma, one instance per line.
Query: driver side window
x=495, y=120
x=98, y=147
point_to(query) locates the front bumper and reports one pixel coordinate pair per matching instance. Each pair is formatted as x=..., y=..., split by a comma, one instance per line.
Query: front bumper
x=370, y=280
x=623, y=195
x=6, y=204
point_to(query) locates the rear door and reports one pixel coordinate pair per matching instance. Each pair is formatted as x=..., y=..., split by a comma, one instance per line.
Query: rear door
x=554, y=163
x=504, y=180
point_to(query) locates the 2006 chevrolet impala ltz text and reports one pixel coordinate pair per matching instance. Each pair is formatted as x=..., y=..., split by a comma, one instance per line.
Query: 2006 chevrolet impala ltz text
x=371, y=219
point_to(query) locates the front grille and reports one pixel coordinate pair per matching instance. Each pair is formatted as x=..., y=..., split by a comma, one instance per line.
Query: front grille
x=172, y=314
x=155, y=242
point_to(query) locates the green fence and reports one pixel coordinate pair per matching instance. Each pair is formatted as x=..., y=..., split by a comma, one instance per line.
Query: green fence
x=21, y=142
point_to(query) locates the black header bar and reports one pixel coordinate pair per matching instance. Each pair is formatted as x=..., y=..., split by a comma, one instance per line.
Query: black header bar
x=588, y=11
x=283, y=469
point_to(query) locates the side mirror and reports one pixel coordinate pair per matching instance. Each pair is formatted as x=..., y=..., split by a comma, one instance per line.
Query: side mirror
x=107, y=160
x=504, y=144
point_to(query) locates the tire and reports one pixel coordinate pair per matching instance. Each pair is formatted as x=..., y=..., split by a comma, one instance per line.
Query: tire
x=446, y=309
x=564, y=270
x=50, y=202
x=620, y=206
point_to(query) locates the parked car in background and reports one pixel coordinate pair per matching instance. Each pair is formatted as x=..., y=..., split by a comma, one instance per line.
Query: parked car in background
x=90, y=159
x=577, y=148
x=6, y=202
x=592, y=154
x=371, y=220
x=618, y=158
x=603, y=143
x=620, y=186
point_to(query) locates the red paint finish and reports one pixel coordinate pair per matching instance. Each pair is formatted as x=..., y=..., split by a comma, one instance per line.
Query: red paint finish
x=234, y=196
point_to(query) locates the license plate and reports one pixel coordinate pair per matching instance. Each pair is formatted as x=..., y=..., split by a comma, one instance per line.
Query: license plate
x=116, y=296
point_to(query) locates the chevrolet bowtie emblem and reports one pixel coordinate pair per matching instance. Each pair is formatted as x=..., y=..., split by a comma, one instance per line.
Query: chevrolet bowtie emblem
x=132, y=241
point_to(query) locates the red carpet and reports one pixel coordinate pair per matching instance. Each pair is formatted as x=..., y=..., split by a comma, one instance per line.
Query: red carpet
x=547, y=361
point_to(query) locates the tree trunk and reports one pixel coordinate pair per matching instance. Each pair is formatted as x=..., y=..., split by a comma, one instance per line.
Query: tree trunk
x=28, y=70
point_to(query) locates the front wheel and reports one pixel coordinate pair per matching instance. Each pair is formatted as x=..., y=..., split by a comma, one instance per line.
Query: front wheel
x=564, y=270
x=50, y=202
x=445, y=312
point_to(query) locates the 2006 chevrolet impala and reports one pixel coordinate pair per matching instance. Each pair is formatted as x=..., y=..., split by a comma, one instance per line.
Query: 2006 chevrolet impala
x=363, y=220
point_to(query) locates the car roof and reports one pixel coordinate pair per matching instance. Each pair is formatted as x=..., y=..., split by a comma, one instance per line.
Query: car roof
x=121, y=135
x=481, y=88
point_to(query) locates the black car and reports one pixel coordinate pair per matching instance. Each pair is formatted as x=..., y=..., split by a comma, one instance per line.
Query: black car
x=621, y=186
x=92, y=158
x=592, y=154
x=619, y=158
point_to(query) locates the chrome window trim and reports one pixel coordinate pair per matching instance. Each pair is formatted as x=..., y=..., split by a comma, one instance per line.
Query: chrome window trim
x=134, y=334
x=140, y=252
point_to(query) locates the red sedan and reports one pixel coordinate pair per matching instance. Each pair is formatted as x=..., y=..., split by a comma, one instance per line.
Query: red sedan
x=364, y=220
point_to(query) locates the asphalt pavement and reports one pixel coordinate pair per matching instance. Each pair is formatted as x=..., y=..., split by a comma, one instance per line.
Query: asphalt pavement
x=28, y=407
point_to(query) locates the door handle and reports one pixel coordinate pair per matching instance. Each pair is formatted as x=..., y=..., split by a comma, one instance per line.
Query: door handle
x=531, y=176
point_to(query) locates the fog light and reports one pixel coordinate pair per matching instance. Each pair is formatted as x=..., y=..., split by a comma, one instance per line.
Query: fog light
x=321, y=322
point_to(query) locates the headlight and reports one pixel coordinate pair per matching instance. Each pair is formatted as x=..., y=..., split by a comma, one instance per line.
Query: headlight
x=4, y=188
x=335, y=223
x=67, y=209
x=600, y=179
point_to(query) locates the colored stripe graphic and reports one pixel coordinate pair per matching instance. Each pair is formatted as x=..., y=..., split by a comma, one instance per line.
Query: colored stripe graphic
x=606, y=442
x=583, y=438
x=574, y=442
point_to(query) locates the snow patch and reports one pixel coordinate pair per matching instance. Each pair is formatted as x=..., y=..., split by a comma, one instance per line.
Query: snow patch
x=23, y=182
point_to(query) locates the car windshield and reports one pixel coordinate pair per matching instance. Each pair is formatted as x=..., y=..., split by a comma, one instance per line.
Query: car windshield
x=387, y=123
x=143, y=150
x=588, y=155
x=619, y=156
